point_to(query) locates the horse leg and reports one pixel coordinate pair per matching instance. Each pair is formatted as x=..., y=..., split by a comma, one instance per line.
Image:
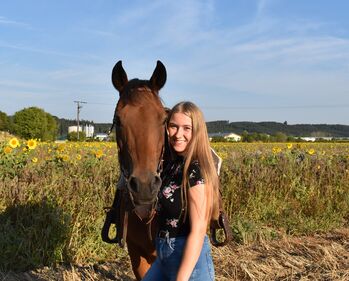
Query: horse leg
x=140, y=263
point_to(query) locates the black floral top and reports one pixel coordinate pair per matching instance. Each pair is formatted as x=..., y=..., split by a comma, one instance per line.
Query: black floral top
x=170, y=205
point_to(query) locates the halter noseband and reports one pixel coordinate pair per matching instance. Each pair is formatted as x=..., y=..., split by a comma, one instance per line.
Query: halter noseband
x=126, y=174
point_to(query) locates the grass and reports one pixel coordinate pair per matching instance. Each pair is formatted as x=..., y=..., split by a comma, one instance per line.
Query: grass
x=51, y=209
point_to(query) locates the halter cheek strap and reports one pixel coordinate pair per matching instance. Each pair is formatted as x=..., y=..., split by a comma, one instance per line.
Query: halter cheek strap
x=123, y=203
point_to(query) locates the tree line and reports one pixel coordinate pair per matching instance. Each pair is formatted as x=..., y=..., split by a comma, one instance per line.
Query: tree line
x=34, y=122
x=272, y=128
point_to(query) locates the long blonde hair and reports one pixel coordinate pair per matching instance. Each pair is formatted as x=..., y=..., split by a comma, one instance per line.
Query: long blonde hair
x=199, y=149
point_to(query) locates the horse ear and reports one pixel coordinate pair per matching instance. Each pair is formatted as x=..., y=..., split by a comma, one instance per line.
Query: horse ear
x=119, y=76
x=158, y=79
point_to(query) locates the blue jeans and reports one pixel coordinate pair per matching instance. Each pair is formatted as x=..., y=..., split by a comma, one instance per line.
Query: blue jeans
x=169, y=255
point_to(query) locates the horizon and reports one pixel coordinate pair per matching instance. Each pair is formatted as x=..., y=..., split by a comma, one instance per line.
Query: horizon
x=218, y=120
x=224, y=121
x=237, y=60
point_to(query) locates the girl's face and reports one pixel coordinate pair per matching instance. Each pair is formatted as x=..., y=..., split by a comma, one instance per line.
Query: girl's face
x=180, y=129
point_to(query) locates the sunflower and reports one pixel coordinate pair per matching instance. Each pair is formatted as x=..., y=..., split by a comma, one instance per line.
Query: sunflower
x=65, y=158
x=311, y=151
x=14, y=142
x=7, y=150
x=276, y=150
x=99, y=153
x=31, y=144
x=34, y=160
x=289, y=145
x=78, y=157
x=61, y=147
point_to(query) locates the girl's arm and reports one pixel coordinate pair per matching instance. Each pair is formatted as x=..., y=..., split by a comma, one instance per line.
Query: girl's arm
x=197, y=205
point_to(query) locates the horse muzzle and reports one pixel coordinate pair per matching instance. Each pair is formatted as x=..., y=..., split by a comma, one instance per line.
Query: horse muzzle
x=145, y=212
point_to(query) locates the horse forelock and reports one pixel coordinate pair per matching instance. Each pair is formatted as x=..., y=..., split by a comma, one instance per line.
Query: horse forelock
x=138, y=91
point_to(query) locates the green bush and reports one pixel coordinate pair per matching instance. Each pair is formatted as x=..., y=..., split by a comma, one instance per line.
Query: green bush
x=34, y=123
x=73, y=136
x=4, y=122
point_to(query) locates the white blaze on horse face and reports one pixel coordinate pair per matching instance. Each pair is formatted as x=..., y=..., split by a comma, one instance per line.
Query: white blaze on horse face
x=180, y=129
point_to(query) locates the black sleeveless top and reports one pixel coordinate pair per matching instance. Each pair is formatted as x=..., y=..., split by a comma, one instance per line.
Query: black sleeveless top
x=169, y=204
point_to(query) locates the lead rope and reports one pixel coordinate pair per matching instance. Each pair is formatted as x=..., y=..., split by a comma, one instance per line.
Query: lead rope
x=124, y=232
x=149, y=222
x=149, y=227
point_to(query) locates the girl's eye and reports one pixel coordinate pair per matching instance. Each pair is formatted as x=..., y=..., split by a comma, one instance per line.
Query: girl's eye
x=172, y=126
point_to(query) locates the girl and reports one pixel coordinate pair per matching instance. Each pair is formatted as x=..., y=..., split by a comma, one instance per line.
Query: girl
x=187, y=201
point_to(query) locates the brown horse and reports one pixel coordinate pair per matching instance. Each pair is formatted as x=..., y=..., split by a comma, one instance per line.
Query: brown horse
x=139, y=120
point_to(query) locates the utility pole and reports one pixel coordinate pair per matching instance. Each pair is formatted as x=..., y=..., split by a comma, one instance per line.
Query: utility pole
x=78, y=113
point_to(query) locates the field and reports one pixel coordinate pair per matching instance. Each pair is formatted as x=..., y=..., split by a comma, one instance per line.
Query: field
x=288, y=206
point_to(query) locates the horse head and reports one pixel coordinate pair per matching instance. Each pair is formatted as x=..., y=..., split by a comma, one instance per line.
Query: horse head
x=140, y=120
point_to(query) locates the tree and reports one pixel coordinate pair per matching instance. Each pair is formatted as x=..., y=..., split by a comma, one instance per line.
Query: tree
x=280, y=137
x=244, y=136
x=4, y=121
x=264, y=137
x=218, y=139
x=73, y=136
x=33, y=122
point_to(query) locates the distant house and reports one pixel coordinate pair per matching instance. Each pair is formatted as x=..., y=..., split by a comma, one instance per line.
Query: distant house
x=101, y=136
x=74, y=129
x=88, y=129
x=316, y=138
x=226, y=136
x=233, y=137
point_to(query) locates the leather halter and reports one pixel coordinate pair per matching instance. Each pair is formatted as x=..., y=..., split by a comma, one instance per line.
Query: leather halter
x=127, y=175
x=124, y=203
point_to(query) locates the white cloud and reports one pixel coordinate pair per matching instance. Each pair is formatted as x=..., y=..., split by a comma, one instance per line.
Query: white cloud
x=5, y=21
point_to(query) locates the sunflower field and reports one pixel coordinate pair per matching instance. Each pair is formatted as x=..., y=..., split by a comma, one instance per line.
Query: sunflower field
x=52, y=196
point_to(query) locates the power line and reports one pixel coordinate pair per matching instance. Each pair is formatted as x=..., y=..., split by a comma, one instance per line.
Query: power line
x=100, y=103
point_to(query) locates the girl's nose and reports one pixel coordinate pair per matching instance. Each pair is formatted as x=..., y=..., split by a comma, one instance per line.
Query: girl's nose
x=179, y=132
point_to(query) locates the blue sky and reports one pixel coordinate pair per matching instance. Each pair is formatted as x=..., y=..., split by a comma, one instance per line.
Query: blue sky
x=239, y=60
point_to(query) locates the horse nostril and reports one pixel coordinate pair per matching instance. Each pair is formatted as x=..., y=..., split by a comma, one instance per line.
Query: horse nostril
x=134, y=185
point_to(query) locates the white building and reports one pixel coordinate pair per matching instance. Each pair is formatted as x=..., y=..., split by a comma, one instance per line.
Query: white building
x=101, y=136
x=316, y=138
x=72, y=129
x=87, y=129
x=227, y=136
x=233, y=137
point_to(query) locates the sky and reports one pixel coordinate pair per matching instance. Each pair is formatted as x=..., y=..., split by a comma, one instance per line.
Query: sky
x=238, y=60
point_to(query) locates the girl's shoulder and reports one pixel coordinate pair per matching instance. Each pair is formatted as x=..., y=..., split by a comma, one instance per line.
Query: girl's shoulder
x=194, y=174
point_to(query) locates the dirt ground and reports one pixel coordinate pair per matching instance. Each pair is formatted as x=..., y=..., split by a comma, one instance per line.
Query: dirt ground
x=319, y=257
